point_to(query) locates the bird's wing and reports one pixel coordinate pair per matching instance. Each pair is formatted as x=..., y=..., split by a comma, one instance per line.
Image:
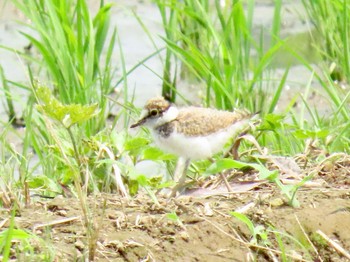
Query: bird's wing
x=194, y=121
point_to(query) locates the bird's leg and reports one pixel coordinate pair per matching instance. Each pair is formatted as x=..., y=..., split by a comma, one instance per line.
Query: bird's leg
x=223, y=177
x=179, y=169
x=227, y=184
x=180, y=175
x=234, y=149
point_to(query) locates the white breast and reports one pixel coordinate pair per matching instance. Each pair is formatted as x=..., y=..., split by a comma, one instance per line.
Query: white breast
x=198, y=147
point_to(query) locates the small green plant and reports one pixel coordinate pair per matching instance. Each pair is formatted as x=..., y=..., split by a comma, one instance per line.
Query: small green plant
x=67, y=117
x=175, y=218
x=259, y=232
x=14, y=170
x=267, y=236
x=264, y=173
x=139, y=149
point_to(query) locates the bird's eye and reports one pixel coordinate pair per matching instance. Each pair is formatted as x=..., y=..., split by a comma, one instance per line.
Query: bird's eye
x=154, y=112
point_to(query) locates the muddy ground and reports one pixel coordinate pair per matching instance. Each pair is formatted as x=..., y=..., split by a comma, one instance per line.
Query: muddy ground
x=137, y=229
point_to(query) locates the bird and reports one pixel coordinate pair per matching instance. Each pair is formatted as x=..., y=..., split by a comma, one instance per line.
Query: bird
x=191, y=133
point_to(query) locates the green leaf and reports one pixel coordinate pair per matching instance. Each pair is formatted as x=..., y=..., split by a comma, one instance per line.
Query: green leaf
x=153, y=153
x=15, y=234
x=167, y=184
x=142, y=180
x=135, y=143
x=303, y=134
x=172, y=216
x=224, y=164
x=271, y=122
x=68, y=115
x=243, y=218
x=7, y=236
x=155, y=181
x=133, y=186
x=264, y=173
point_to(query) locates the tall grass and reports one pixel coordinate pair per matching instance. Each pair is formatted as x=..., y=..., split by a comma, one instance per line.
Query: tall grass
x=330, y=18
x=70, y=43
x=73, y=56
x=331, y=21
x=214, y=42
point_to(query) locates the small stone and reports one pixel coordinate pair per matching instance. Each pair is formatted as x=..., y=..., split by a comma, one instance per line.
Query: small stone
x=184, y=235
x=208, y=211
x=115, y=244
x=62, y=213
x=79, y=245
x=277, y=202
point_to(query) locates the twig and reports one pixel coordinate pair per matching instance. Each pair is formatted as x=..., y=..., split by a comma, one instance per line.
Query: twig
x=2, y=223
x=335, y=245
x=307, y=238
x=229, y=188
x=244, y=209
x=56, y=222
x=5, y=198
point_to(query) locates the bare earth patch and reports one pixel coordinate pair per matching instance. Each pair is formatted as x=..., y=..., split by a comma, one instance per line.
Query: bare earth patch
x=202, y=229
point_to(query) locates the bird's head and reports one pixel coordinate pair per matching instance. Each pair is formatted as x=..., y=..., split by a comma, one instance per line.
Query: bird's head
x=156, y=112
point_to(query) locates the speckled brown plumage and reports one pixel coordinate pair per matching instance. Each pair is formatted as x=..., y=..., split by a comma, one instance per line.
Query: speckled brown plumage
x=158, y=103
x=196, y=121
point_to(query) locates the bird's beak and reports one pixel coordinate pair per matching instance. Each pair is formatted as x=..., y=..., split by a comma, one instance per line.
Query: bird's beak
x=139, y=123
x=143, y=119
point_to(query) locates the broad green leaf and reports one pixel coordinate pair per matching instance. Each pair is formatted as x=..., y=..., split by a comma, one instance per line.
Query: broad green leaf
x=168, y=184
x=224, y=164
x=135, y=143
x=303, y=134
x=42, y=181
x=133, y=186
x=271, y=122
x=142, y=180
x=107, y=161
x=264, y=173
x=68, y=115
x=153, y=153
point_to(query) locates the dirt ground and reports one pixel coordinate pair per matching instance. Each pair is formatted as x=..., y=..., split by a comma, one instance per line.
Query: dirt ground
x=137, y=229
